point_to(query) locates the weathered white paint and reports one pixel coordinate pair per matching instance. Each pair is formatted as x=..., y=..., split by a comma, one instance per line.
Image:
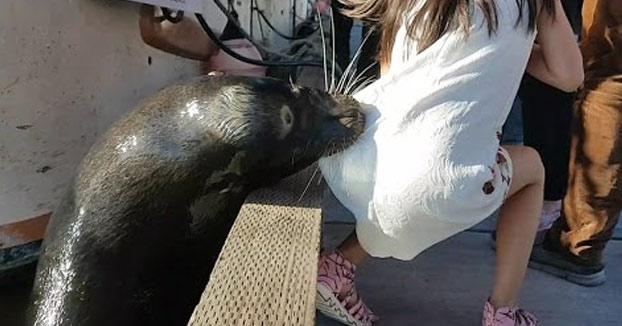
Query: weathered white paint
x=68, y=69
x=186, y=5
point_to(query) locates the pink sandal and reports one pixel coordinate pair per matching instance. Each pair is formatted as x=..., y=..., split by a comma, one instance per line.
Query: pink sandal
x=507, y=317
x=336, y=295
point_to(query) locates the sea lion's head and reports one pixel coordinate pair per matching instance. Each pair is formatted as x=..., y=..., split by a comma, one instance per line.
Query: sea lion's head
x=283, y=127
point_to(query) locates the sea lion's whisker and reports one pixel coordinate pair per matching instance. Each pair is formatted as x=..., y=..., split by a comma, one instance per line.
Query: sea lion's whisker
x=358, y=78
x=363, y=84
x=325, y=68
x=304, y=191
x=355, y=57
x=332, y=29
x=349, y=81
x=345, y=76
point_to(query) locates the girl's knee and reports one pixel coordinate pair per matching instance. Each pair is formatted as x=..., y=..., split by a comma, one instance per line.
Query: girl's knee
x=527, y=164
x=534, y=164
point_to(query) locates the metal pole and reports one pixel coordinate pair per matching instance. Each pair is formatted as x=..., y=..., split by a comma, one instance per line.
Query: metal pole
x=251, y=14
x=293, y=17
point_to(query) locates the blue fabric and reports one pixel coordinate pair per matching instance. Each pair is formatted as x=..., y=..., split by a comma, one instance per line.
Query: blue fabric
x=513, y=127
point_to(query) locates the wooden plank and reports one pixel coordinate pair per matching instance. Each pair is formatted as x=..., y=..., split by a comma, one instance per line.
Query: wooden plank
x=267, y=270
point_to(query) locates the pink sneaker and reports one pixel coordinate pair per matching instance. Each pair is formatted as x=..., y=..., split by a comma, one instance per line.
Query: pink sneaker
x=336, y=295
x=507, y=317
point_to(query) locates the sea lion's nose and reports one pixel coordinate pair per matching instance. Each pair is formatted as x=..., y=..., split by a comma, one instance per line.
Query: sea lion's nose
x=348, y=121
x=354, y=121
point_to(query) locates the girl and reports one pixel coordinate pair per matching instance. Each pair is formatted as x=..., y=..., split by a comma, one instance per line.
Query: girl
x=430, y=164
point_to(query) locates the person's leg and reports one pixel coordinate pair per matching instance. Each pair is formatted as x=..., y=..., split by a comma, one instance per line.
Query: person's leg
x=516, y=229
x=574, y=245
x=517, y=223
x=547, y=117
x=336, y=295
x=512, y=134
x=343, y=27
x=547, y=114
x=352, y=250
x=593, y=205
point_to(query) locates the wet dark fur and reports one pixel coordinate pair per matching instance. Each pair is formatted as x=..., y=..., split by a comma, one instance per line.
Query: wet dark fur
x=146, y=215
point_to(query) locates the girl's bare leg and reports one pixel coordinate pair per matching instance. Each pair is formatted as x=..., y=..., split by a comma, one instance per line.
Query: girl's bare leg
x=517, y=225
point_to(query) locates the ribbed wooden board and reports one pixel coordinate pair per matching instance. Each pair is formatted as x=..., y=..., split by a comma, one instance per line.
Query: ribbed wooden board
x=266, y=272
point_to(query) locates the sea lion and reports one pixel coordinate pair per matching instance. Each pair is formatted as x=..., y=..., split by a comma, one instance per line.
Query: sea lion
x=146, y=215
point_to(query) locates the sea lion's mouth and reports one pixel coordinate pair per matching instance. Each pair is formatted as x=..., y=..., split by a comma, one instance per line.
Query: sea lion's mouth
x=351, y=117
x=353, y=124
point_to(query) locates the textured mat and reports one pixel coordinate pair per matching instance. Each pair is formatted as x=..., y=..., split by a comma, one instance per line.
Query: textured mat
x=266, y=272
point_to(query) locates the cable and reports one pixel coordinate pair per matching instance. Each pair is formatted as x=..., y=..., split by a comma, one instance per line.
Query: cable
x=263, y=36
x=277, y=32
x=252, y=25
x=235, y=22
x=234, y=54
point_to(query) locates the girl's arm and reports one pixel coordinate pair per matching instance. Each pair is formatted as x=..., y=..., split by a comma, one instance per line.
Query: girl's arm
x=185, y=38
x=556, y=59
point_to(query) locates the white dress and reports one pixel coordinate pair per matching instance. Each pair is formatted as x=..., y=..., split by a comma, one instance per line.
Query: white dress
x=428, y=165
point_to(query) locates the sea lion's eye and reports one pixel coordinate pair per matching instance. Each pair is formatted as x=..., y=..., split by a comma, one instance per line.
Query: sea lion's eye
x=287, y=119
x=286, y=115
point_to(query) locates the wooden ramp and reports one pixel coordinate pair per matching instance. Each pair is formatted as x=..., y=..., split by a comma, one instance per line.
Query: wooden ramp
x=266, y=272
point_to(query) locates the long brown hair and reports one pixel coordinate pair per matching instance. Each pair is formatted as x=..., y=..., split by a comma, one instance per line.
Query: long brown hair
x=433, y=20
